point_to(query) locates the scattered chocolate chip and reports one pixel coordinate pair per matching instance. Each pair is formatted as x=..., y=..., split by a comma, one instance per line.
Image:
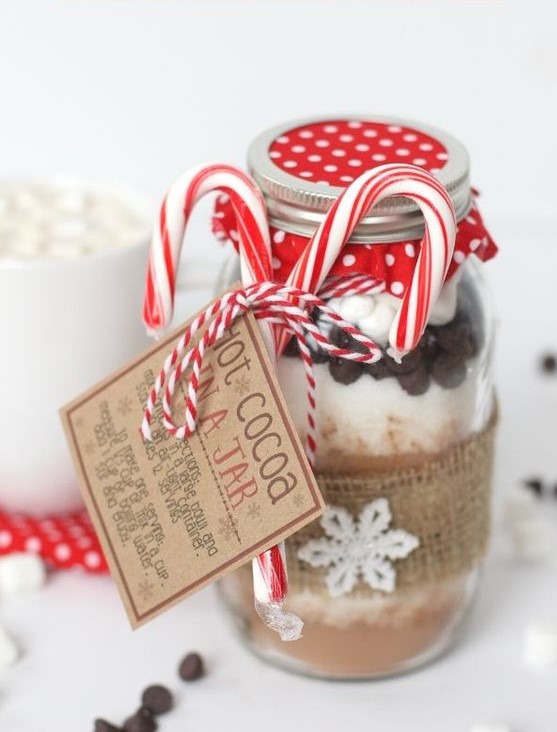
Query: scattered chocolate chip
x=416, y=382
x=407, y=363
x=455, y=339
x=535, y=485
x=379, y=369
x=157, y=699
x=191, y=668
x=549, y=363
x=101, y=725
x=343, y=371
x=448, y=371
x=141, y=721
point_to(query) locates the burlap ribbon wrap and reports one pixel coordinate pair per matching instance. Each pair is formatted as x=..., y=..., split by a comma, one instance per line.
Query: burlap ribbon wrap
x=445, y=502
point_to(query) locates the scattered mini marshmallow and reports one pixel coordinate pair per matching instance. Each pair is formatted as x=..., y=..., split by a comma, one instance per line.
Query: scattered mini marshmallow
x=490, y=727
x=540, y=644
x=533, y=538
x=8, y=649
x=41, y=220
x=20, y=572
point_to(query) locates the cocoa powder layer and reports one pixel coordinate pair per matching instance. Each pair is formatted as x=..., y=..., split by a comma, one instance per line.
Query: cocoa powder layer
x=391, y=639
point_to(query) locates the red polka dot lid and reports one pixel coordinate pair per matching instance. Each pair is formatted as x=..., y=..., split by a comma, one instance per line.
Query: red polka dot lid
x=335, y=153
x=302, y=167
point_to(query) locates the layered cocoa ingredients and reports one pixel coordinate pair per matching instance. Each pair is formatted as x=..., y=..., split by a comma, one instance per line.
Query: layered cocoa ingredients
x=391, y=420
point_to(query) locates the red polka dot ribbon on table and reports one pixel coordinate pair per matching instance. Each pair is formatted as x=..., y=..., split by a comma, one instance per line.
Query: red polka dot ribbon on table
x=66, y=541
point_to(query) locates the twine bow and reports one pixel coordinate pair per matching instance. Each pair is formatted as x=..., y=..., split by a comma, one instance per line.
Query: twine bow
x=280, y=305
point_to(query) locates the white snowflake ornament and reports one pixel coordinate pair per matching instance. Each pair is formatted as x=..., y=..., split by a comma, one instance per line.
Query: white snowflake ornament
x=359, y=548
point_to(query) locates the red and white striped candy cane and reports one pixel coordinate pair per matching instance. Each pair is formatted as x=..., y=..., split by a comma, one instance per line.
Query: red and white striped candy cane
x=168, y=235
x=269, y=568
x=435, y=253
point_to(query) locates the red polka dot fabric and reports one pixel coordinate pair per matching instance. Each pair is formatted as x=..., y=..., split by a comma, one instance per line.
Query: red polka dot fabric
x=391, y=263
x=64, y=542
x=334, y=153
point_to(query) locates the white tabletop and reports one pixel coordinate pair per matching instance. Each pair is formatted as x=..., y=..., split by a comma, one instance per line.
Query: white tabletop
x=80, y=659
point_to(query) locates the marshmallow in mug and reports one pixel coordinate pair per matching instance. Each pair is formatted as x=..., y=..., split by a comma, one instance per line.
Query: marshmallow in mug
x=374, y=314
x=58, y=221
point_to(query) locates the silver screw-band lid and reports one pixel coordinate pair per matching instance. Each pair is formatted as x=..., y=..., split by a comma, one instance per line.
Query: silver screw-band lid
x=302, y=167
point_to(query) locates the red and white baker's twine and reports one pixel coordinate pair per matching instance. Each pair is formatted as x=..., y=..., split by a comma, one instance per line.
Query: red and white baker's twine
x=168, y=234
x=284, y=308
x=277, y=304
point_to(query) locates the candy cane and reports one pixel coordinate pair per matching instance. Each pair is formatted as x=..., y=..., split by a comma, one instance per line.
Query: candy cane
x=269, y=568
x=435, y=252
x=168, y=235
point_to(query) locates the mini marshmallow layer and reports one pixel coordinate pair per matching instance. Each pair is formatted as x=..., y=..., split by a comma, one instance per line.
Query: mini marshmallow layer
x=374, y=314
x=62, y=221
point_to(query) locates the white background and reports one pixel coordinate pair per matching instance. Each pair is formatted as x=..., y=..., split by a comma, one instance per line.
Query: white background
x=138, y=91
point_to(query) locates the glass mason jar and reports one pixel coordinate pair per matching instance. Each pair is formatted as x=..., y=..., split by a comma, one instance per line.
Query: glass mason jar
x=404, y=449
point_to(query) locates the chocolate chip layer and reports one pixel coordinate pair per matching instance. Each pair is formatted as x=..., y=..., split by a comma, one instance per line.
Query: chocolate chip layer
x=415, y=382
x=441, y=355
x=448, y=371
x=345, y=372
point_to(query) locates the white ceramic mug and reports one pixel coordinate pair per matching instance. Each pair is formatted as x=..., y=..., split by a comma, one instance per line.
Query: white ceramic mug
x=64, y=325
